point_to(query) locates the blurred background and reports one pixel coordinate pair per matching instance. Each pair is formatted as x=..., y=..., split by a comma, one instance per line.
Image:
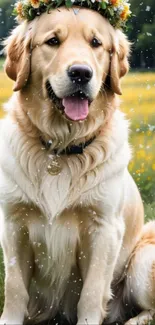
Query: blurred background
x=138, y=100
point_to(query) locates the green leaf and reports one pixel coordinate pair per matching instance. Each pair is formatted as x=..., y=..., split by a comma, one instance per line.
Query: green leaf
x=148, y=186
x=68, y=4
x=14, y=12
x=31, y=14
x=111, y=11
x=59, y=2
x=103, y=5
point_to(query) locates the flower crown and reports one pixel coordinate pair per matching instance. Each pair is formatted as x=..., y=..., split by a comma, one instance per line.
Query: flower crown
x=116, y=11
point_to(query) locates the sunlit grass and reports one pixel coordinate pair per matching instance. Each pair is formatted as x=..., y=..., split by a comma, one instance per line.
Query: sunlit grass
x=1, y=63
x=138, y=102
x=5, y=91
x=139, y=96
x=1, y=282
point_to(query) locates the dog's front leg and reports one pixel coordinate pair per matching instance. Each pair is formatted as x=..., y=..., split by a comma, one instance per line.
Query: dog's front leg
x=99, y=250
x=18, y=269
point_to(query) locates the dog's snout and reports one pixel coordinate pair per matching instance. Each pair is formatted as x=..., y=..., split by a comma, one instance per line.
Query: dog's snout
x=80, y=74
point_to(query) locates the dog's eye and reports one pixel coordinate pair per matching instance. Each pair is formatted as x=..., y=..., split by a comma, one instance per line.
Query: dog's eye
x=96, y=42
x=53, y=41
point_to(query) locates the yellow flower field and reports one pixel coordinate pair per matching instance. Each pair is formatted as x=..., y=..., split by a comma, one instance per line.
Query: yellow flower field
x=138, y=102
x=5, y=90
x=139, y=96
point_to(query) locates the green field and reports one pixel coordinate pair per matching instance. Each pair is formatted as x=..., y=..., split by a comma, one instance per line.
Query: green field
x=1, y=282
x=138, y=102
x=1, y=64
x=139, y=105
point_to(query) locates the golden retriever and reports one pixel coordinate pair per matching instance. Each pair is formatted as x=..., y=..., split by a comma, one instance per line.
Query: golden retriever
x=72, y=218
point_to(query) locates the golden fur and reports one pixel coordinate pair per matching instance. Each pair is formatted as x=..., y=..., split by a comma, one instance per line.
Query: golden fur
x=79, y=234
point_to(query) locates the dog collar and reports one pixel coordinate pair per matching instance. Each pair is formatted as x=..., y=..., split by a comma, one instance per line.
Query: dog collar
x=116, y=11
x=55, y=164
x=72, y=150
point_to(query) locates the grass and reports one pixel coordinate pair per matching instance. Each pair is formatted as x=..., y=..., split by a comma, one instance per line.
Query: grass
x=5, y=90
x=139, y=105
x=138, y=102
x=1, y=282
x=1, y=63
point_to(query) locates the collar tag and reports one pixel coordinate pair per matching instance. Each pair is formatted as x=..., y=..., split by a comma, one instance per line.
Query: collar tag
x=55, y=166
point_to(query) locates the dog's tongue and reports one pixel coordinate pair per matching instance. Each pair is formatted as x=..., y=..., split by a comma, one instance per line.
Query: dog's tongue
x=75, y=108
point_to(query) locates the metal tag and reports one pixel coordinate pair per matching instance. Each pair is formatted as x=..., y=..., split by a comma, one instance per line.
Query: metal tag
x=54, y=167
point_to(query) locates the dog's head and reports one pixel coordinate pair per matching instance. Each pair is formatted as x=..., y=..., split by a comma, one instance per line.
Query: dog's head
x=69, y=57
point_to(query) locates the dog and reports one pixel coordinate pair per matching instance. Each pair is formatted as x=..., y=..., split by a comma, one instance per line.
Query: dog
x=72, y=219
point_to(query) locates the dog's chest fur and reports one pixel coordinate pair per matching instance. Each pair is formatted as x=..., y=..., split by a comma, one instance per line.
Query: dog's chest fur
x=85, y=181
x=55, y=246
x=81, y=175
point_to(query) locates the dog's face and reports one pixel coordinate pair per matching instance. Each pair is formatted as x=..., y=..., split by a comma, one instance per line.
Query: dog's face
x=67, y=56
x=73, y=48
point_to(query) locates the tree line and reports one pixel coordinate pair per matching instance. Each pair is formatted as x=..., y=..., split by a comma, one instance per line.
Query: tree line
x=141, y=30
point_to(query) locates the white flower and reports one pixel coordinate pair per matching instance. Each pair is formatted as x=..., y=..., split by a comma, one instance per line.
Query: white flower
x=27, y=2
x=120, y=8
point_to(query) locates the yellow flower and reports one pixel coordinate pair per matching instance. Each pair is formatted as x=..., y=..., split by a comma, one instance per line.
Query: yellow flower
x=141, y=154
x=153, y=166
x=126, y=12
x=149, y=158
x=35, y=3
x=19, y=9
x=149, y=132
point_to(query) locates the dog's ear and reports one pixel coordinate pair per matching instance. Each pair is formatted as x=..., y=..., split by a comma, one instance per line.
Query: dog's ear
x=119, y=65
x=17, y=65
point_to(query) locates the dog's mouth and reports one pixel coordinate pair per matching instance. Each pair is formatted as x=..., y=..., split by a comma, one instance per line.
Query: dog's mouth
x=75, y=106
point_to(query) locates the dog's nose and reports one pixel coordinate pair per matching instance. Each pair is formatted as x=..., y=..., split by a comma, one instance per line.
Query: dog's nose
x=80, y=74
